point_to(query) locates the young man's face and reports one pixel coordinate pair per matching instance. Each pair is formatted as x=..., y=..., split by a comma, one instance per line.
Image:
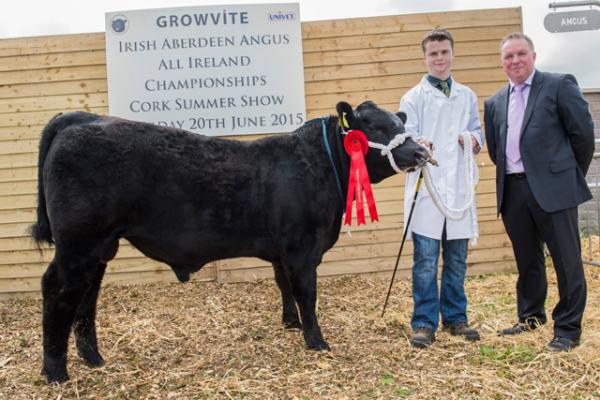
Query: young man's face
x=518, y=60
x=438, y=58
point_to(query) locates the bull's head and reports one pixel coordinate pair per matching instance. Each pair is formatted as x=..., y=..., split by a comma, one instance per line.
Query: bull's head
x=382, y=126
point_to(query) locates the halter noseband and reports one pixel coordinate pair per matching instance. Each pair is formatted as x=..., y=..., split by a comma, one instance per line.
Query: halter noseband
x=398, y=140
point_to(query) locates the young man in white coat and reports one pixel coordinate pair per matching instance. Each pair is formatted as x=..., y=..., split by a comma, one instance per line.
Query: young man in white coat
x=440, y=109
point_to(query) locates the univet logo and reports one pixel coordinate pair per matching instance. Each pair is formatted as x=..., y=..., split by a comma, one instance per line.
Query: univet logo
x=119, y=24
x=278, y=16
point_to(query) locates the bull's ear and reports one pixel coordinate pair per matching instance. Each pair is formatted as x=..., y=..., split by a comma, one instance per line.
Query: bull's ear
x=345, y=114
x=402, y=116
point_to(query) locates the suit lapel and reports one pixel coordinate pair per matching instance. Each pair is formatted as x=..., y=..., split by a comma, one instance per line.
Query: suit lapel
x=502, y=105
x=536, y=87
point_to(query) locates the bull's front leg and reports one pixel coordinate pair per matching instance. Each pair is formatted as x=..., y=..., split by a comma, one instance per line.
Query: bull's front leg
x=304, y=287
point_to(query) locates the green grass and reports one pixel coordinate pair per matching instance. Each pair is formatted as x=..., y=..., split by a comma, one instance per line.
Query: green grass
x=403, y=392
x=396, y=390
x=512, y=354
x=387, y=379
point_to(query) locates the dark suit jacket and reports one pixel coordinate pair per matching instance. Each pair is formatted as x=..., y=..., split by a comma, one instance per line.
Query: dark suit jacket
x=557, y=141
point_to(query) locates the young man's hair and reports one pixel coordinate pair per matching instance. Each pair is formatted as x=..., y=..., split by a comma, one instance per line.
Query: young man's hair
x=437, y=35
x=517, y=35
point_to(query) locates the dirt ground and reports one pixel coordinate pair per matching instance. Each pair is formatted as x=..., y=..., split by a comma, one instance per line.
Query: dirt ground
x=199, y=340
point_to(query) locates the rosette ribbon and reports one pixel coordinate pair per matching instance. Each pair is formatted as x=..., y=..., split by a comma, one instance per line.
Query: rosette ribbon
x=357, y=146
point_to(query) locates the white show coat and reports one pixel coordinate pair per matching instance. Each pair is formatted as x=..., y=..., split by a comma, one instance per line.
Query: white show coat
x=441, y=120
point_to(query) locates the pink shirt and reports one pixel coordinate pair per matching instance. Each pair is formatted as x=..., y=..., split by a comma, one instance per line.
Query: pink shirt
x=513, y=168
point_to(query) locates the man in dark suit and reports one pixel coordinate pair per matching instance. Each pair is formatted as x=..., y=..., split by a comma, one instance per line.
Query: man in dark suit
x=540, y=135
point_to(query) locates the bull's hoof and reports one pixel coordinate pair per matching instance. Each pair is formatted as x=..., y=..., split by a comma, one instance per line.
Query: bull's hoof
x=89, y=352
x=294, y=324
x=55, y=375
x=92, y=359
x=320, y=345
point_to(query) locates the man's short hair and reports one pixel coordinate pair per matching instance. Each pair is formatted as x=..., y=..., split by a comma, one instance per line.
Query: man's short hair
x=517, y=35
x=437, y=35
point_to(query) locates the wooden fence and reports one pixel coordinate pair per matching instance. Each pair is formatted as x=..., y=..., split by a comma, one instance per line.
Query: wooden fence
x=353, y=60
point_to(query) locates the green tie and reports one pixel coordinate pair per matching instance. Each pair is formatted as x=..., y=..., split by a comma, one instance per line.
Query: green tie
x=445, y=88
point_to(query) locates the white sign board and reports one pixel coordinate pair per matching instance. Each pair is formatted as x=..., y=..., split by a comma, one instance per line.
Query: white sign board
x=216, y=70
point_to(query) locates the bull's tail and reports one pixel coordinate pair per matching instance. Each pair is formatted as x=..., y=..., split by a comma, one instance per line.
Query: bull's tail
x=40, y=230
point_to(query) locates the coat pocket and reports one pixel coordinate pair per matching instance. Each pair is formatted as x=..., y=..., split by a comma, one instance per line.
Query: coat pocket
x=561, y=165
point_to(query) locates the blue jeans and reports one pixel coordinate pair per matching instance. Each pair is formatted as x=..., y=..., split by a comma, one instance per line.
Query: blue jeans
x=451, y=301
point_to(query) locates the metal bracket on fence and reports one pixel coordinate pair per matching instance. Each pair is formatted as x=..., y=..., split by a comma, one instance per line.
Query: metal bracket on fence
x=593, y=185
x=573, y=21
x=574, y=4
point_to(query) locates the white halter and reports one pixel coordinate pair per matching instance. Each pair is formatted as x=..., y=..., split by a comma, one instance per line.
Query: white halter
x=398, y=140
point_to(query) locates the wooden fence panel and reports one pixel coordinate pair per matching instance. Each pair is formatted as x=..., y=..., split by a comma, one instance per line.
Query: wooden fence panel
x=353, y=60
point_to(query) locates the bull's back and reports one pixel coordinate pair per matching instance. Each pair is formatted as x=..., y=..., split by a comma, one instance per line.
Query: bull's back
x=181, y=197
x=145, y=179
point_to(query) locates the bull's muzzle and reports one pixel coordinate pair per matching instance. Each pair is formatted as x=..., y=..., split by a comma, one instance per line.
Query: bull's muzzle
x=424, y=156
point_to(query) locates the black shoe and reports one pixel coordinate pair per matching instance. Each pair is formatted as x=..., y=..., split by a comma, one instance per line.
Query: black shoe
x=559, y=344
x=462, y=329
x=422, y=338
x=521, y=327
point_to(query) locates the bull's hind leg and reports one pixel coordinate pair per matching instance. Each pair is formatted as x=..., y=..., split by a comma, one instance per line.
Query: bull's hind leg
x=290, y=317
x=84, y=325
x=303, y=278
x=62, y=291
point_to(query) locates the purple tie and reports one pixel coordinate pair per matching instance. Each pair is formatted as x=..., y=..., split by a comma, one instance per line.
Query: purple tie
x=516, y=109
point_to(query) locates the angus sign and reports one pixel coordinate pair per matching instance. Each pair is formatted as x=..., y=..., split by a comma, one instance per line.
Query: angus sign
x=572, y=21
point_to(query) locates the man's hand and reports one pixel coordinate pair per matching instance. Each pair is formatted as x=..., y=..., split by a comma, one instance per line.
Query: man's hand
x=474, y=144
x=421, y=140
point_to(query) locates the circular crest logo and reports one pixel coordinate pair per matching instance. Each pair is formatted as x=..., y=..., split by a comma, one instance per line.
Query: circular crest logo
x=119, y=24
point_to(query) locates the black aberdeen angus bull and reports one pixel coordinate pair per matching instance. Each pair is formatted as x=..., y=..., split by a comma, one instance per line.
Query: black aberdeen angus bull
x=186, y=199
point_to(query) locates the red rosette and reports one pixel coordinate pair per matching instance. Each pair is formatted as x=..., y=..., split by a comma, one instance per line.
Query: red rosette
x=357, y=146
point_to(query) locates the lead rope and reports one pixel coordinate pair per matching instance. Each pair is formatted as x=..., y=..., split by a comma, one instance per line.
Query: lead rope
x=471, y=175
